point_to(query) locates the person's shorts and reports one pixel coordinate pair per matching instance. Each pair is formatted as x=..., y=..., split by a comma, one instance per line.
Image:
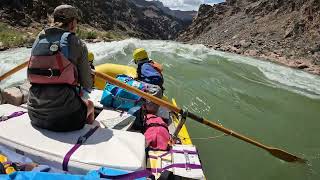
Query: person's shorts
x=71, y=122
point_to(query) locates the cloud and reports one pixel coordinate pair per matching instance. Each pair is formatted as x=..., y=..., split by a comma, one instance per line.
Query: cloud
x=187, y=4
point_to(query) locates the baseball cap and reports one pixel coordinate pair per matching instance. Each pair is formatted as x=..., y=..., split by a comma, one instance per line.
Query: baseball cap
x=66, y=12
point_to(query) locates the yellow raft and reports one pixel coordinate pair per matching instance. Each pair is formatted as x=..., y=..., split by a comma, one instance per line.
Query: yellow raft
x=113, y=70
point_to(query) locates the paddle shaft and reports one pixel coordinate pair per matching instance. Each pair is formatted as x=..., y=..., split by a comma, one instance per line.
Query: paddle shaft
x=225, y=130
x=14, y=70
x=275, y=152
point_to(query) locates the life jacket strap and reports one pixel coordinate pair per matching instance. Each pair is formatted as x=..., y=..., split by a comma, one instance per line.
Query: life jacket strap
x=44, y=72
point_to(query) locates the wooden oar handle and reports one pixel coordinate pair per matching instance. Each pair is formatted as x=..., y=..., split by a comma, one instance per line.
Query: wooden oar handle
x=14, y=70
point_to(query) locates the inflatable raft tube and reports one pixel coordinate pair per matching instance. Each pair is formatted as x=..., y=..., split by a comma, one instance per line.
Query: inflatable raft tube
x=113, y=70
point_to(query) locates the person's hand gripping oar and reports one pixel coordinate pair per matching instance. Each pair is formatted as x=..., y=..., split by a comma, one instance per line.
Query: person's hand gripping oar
x=281, y=154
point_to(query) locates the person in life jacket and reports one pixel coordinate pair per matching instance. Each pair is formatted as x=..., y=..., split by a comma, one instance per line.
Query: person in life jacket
x=148, y=70
x=91, y=59
x=57, y=66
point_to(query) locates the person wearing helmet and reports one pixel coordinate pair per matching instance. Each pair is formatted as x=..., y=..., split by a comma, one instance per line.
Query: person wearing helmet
x=57, y=66
x=91, y=59
x=148, y=70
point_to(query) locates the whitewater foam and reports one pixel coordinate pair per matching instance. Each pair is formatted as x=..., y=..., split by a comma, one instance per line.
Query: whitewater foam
x=290, y=79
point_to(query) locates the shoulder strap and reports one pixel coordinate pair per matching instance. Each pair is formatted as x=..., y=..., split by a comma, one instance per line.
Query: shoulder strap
x=139, y=70
x=64, y=44
x=157, y=66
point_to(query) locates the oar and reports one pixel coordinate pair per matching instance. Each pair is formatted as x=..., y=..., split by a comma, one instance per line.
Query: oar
x=14, y=70
x=281, y=154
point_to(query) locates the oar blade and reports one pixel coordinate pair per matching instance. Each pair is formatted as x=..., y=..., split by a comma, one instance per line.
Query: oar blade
x=286, y=156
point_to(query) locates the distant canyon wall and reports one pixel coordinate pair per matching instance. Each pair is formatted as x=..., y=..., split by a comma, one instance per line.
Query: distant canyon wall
x=145, y=22
x=285, y=31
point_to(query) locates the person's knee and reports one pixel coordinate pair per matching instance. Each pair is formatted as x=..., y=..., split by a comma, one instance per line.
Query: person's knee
x=90, y=103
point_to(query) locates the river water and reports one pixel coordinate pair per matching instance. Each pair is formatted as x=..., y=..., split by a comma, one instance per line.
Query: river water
x=275, y=105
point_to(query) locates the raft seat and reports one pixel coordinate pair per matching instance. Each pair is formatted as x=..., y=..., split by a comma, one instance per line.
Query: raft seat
x=115, y=119
x=104, y=148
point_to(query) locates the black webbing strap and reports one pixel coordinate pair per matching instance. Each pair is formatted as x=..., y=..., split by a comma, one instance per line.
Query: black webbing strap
x=44, y=72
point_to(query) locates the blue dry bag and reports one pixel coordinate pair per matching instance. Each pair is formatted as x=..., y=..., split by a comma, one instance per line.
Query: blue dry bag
x=116, y=97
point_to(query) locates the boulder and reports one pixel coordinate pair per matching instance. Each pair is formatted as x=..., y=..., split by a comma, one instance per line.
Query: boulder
x=302, y=66
x=245, y=44
x=251, y=53
x=16, y=95
x=13, y=96
x=2, y=47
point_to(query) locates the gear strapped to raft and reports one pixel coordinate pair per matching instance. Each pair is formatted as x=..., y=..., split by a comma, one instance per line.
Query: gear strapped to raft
x=180, y=159
x=116, y=97
x=15, y=114
x=177, y=165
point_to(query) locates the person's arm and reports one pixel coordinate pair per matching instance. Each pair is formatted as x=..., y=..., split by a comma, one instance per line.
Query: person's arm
x=79, y=52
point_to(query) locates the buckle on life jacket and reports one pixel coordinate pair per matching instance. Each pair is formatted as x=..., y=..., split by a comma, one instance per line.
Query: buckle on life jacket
x=51, y=73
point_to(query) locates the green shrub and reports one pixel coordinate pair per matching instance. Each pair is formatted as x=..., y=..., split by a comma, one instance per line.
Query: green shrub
x=86, y=34
x=11, y=37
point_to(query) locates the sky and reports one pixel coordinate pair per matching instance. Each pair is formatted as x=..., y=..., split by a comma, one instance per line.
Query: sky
x=187, y=5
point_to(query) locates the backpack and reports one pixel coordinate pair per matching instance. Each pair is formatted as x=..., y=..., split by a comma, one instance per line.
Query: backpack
x=116, y=97
x=157, y=133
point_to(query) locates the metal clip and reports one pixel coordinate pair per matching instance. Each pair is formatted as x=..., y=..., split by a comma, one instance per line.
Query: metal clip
x=81, y=140
x=51, y=73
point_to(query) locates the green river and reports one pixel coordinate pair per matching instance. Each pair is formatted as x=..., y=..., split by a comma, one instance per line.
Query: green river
x=275, y=105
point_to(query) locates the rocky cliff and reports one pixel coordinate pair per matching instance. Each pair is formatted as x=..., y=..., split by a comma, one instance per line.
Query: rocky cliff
x=185, y=16
x=118, y=15
x=285, y=31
